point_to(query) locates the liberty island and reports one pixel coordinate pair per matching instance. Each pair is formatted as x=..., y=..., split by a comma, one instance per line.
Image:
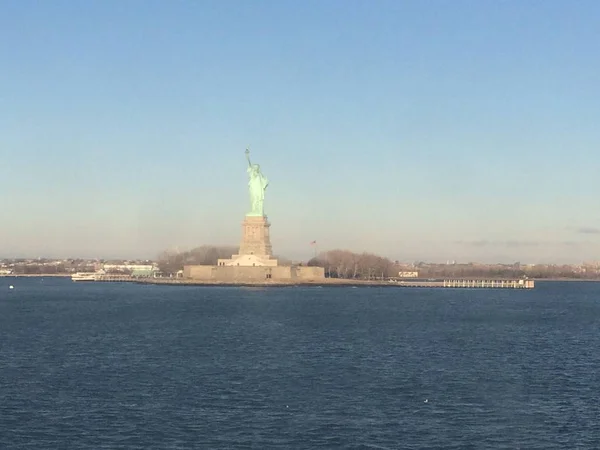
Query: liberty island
x=254, y=261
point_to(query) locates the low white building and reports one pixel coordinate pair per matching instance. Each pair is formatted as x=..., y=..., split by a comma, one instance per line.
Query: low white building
x=408, y=274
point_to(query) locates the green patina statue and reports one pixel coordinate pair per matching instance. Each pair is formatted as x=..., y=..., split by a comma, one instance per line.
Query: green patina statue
x=257, y=184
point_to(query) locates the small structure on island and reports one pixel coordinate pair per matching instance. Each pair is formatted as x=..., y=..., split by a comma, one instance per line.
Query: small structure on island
x=254, y=261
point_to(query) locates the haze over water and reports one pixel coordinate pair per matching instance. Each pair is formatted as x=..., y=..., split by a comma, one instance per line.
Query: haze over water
x=123, y=366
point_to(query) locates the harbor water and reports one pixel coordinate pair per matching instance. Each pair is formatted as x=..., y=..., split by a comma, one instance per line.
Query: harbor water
x=130, y=366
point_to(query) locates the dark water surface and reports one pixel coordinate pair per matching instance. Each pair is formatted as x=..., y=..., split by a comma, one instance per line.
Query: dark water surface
x=121, y=366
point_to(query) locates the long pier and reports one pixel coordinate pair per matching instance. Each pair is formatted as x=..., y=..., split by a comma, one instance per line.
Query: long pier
x=493, y=284
x=470, y=283
x=115, y=278
x=335, y=282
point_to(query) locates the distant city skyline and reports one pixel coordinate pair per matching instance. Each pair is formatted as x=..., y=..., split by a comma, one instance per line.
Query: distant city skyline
x=463, y=130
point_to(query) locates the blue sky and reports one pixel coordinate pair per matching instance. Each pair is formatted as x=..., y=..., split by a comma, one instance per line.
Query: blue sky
x=421, y=130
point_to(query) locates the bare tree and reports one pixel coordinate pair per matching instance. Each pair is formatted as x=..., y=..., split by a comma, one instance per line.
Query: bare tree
x=346, y=264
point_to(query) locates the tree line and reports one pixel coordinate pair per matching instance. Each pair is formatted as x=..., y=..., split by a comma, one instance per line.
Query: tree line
x=347, y=264
x=50, y=269
x=539, y=271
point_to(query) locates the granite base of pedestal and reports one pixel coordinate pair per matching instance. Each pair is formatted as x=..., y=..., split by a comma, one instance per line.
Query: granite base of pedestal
x=242, y=274
x=256, y=236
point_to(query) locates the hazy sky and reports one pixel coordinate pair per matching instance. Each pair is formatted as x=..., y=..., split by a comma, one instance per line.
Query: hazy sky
x=434, y=130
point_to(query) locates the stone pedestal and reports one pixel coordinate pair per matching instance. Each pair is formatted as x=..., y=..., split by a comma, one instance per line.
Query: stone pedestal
x=255, y=248
x=256, y=239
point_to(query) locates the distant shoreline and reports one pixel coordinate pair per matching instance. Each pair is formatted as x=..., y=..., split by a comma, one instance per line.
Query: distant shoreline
x=35, y=275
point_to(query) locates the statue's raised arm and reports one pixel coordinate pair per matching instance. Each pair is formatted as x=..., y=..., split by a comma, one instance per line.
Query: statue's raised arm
x=248, y=157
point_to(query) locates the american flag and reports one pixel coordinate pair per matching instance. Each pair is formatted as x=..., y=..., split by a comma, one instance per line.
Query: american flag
x=313, y=243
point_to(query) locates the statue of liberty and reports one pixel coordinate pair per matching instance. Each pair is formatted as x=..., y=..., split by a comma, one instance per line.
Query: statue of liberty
x=257, y=184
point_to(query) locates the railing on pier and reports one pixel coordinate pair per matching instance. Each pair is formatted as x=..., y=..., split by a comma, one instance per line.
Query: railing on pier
x=495, y=284
x=115, y=278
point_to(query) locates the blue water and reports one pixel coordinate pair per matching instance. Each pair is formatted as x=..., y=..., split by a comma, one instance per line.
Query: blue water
x=121, y=366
